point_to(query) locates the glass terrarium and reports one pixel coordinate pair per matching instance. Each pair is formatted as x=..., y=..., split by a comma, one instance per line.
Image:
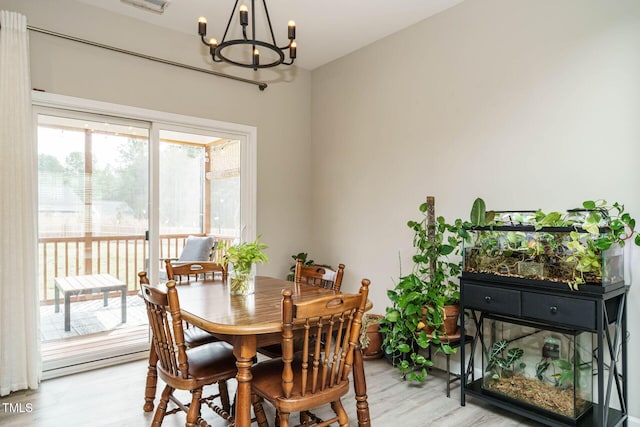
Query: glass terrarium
x=545, y=369
x=517, y=247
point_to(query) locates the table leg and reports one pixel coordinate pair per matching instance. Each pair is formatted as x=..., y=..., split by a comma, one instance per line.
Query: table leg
x=360, y=387
x=67, y=311
x=105, y=298
x=56, y=301
x=244, y=349
x=123, y=303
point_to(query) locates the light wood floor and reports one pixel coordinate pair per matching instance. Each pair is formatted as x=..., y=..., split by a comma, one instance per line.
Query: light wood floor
x=113, y=397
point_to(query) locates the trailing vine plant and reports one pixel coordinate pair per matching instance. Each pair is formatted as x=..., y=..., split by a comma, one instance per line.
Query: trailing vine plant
x=418, y=298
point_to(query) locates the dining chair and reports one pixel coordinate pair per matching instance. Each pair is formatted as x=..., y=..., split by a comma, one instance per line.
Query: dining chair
x=319, y=275
x=319, y=374
x=196, y=248
x=193, y=337
x=179, y=270
x=315, y=275
x=183, y=368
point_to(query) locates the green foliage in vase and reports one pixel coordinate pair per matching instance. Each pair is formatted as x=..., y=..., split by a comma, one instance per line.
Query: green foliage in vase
x=244, y=255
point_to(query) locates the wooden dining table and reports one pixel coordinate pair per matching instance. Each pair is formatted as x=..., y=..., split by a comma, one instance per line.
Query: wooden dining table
x=251, y=321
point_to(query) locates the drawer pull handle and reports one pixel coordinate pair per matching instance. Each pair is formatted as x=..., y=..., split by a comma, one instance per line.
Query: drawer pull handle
x=553, y=309
x=487, y=299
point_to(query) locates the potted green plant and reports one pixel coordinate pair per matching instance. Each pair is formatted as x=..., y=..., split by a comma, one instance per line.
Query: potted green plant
x=416, y=317
x=305, y=262
x=241, y=260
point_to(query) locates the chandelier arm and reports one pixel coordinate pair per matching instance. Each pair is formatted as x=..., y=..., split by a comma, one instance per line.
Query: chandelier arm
x=253, y=22
x=288, y=63
x=266, y=12
x=287, y=46
x=204, y=41
x=224, y=37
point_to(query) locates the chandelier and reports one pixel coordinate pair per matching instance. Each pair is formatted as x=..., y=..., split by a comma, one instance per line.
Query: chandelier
x=244, y=52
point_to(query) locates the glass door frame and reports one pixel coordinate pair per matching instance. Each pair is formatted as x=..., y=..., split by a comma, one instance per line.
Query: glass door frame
x=247, y=135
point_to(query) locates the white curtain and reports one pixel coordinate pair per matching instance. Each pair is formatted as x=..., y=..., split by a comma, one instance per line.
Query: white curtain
x=20, y=363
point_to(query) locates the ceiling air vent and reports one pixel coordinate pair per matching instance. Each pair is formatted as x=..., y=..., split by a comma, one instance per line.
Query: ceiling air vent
x=157, y=6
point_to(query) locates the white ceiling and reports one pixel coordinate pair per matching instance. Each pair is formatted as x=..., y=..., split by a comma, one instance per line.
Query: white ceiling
x=326, y=29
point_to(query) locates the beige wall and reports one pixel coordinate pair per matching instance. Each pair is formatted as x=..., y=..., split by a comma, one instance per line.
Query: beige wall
x=528, y=104
x=281, y=113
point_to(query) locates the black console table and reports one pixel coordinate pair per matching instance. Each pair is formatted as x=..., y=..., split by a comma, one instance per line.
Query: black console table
x=600, y=311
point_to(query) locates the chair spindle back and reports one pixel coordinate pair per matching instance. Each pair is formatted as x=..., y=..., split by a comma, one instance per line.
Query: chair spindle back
x=318, y=275
x=331, y=330
x=166, y=325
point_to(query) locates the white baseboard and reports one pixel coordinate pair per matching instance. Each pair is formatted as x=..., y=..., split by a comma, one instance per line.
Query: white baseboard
x=95, y=364
x=633, y=422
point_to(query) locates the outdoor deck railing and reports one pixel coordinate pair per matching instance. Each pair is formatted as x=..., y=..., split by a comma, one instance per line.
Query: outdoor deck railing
x=120, y=256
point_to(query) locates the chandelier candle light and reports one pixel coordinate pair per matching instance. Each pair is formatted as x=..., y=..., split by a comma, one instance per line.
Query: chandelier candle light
x=217, y=50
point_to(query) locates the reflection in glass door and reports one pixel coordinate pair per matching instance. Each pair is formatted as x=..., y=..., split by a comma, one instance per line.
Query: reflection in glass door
x=199, y=191
x=93, y=213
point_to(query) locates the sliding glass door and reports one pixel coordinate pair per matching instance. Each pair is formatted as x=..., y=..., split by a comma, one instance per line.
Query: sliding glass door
x=119, y=189
x=93, y=192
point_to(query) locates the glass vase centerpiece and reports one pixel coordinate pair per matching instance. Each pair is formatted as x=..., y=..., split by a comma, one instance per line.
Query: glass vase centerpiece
x=241, y=263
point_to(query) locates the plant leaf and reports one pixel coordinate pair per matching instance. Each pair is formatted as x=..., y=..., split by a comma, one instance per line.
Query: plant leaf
x=445, y=249
x=478, y=212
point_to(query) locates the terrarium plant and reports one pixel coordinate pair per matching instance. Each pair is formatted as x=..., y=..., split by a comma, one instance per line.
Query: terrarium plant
x=571, y=247
x=242, y=259
x=416, y=316
x=502, y=360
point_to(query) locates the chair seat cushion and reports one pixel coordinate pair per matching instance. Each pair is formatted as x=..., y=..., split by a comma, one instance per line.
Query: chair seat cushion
x=207, y=363
x=267, y=383
x=211, y=359
x=275, y=350
x=272, y=351
x=194, y=337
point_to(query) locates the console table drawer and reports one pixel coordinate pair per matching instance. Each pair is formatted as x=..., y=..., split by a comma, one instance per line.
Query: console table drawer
x=493, y=300
x=551, y=308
